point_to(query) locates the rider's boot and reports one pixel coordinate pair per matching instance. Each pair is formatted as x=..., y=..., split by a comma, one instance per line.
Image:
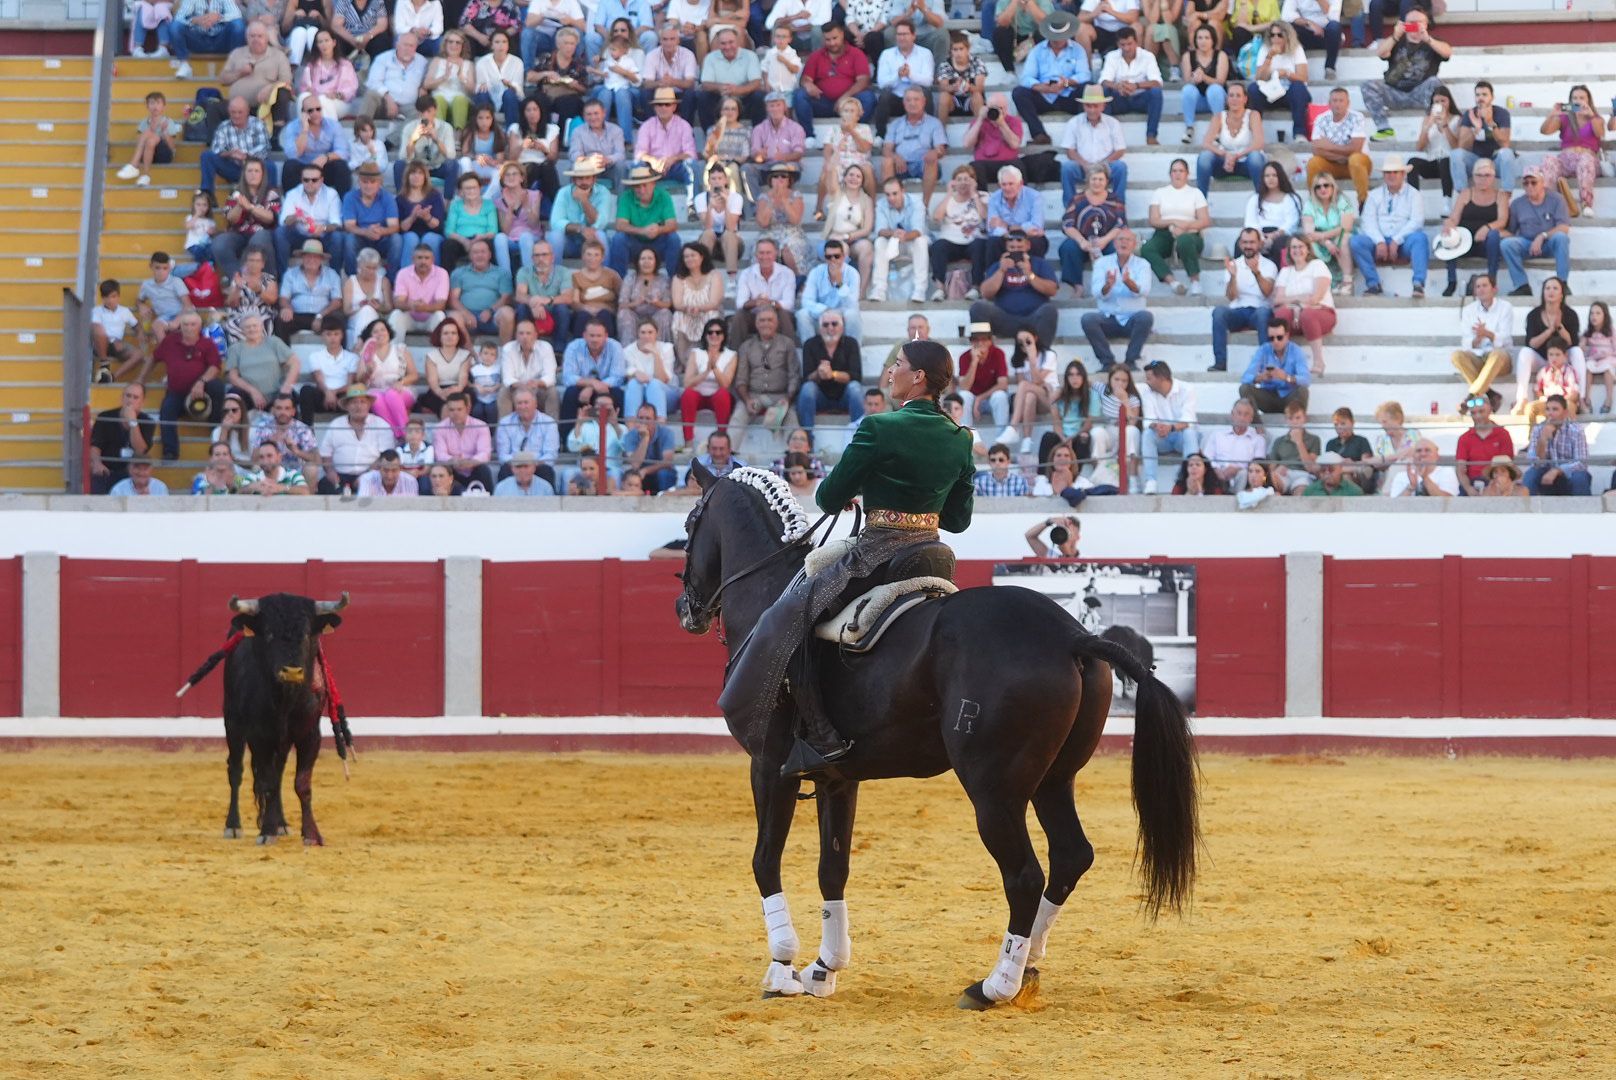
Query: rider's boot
x=818, y=746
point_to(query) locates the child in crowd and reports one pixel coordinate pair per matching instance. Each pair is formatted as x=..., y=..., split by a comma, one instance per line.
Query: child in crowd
x=415, y=455
x=782, y=66
x=146, y=20
x=199, y=229
x=1354, y=447
x=163, y=298
x=1599, y=352
x=485, y=382
x=364, y=146
x=109, y=322
x=154, y=142
x=1557, y=377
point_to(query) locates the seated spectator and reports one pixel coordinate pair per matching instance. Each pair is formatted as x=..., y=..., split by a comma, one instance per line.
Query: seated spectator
x=1196, y=476
x=995, y=139
x=1558, y=377
x=1338, y=142
x=637, y=14
x=1275, y=211
x=1035, y=377
x=1395, y=443
x=139, y=481
x=366, y=296
x=393, y=82
x=765, y=283
x=421, y=211
x=155, y=138
x=1353, y=448
x=591, y=478
x=802, y=482
x=1486, y=336
x=440, y=481
x=799, y=441
x=1484, y=133
x=583, y=212
x=1482, y=211
x=1092, y=141
x=1328, y=219
x=311, y=140
x=1131, y=75
x=1232, y=449
x=1481, y=445
x=480, y=294
x=1392, y=229
x=962, y=85
x=388, y=479
x=220, y=477
x=730, y=71
x=1599, y=354
x=352, y=443
x=310, y=294
x=1504, y=480
x=527, y=364
x=670, y=66
x=599, y=144
x=1121, y=408
x=595, y=289
x=388, y=370
x=959, y=222
x=240, y=137
x=708, y=372
x=1552, y=322
x=162, y=299
x=847, y=147
x=1317, y=24
x=204, y=26
x=1247, y=20
x=120, y=435
x=274, y=476
x=420, y=295
x=445, y=367
x=312, y=212
x=831, y=75
x=1423, y=476
x=1179, y=216
x=720, y=459
x=1539, y=225
x=1012, y=24
x=1053, y=77
x=524, y=480
x=999, y=481
x=1332, y=479
x=619, y=79
x=1064, y=534
x=1170, y=419
x=831, y=286
x=472, y=217
x=328, y=77
x=249, y=296
x=592, y=367
x=697, y=297
x=110, y=324
x=561, y=78
x=464, y=443
x=527, y=430
x=1412, y=56
x=831, y=364
x=487, y=390
x=915, y=144
x=902, y=67
x=1072, y=414
x=330, y=368
x=258, y=366
x=1437, y=139
x=1292, y=454
x=250, y=213
x=645, y=218
x=1121, y=287
x=416, y=453
x=1018, y=294
x=1234, y=143
x=480, y=19
x=1278, y=371
x=194, y=389
x=1282, y=77
x=954, y=409
x=430, y=143
x=424, y=20
x=292, y=437
x=983, y=383
x=650, y=370
x=767, y=374
x=778, y=140
x=1204, y=69
x=718, y=209
x=1249, y=295
x=1303, y=299
x=645, y=296
x=648, y=450
x=1014, y=207
x=900, y=227
x=1091, y=225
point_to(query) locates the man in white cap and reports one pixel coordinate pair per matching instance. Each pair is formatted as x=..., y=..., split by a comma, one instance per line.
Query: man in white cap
x=1392, y=229
x=524, y=481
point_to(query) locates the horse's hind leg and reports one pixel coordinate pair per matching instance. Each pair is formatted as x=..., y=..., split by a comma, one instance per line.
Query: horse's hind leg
x=1070, y=856
x=1002, y=823
x=837, y=803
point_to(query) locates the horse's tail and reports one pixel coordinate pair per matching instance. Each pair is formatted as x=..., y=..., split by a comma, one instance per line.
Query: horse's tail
x=1164, y=776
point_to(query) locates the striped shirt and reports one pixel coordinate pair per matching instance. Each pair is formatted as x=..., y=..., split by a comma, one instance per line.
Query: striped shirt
x=989, y=486
x=252, y=139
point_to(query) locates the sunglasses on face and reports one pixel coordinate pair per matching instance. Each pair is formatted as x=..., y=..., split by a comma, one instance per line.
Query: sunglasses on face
x=311, y=179
x=715, y=333
x=1276, y=337
x=832, y=256
x=315, y=109
x=829, y=325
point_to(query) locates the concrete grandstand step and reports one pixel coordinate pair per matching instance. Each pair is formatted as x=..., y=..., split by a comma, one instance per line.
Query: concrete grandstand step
x=32, y=293
x=45, y=67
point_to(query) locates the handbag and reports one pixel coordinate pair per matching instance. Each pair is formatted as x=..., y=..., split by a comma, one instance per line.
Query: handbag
x=203, y=285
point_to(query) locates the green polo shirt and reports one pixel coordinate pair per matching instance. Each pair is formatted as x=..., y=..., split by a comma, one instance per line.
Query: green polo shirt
x=640, y=215
x=914, y=460
x=480, y=289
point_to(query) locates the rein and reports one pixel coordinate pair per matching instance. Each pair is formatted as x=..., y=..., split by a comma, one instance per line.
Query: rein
x=712, y=602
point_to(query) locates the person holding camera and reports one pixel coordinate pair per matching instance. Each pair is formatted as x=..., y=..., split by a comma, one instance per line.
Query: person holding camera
x=1412, y=58
x=1064, y=533
x=1582, y=134
x=1019, y=293
x=995, y=139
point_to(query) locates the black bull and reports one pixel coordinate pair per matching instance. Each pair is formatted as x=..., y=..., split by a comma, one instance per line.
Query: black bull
x=273, y=694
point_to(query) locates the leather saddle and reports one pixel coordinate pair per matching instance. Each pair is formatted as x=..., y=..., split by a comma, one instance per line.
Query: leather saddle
x=904, y=584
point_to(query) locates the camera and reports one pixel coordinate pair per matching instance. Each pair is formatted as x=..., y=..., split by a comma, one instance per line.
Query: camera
x=993, y=114
x=1411, y=28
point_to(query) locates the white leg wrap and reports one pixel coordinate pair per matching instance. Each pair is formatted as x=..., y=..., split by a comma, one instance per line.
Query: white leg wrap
x=1005, y=982
x=835, y=944
x=783, y=943
x=780, y=979
x=1041, y=925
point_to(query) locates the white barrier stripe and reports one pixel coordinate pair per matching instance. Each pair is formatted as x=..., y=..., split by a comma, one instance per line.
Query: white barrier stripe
x=193, y=727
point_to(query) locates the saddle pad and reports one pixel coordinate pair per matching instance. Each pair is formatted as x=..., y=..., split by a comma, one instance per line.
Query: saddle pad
x=823, y=556
x=859, y=625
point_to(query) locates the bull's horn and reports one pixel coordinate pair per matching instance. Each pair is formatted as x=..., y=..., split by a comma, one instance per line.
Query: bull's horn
x=243, y=607
x=331, y=607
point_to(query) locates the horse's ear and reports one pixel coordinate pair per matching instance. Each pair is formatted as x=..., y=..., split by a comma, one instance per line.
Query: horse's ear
x=703, y=477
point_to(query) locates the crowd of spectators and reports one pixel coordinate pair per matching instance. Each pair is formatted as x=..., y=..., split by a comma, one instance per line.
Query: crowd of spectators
x=511, y=227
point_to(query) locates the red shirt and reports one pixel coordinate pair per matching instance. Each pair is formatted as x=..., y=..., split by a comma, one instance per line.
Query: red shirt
x=186, y=363
x=1473, y=447
x=835, y=75
x=990, y=144
x=992, y=368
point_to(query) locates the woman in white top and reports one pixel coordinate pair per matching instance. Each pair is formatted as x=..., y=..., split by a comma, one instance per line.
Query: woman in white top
x=448, y=366
x=1180, y=217
x=719, y=211
x=450, y=79
x=425, y=18
x=649, y=361
x=1438, y=138
x=1282, y=77
x=500, y=78
x=957, y=220
x=1302, y=297
x=848, y=145
x=1275, y=212
x=1033, y=374
x=850, y=218
x=387, y=367
x=1233, y=143
x=366, y=296
x=709, y=369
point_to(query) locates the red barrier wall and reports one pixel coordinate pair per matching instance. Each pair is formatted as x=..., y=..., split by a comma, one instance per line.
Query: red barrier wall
x=132, y=632
x=10, y=637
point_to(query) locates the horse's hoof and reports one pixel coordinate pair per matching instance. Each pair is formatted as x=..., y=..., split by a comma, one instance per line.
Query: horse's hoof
x=283, y=831
x=1029, y=985
x=232, y=834
x=975, y=999
x=313, y=841
x=267, y=838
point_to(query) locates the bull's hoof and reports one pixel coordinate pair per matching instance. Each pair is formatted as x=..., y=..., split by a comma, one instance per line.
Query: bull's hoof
x=266, y=838
x=232, y=834
x=975, y=999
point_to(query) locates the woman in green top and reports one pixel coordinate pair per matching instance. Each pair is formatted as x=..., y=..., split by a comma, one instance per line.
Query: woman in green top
x=1328, y=219
x=472, y=217
x=914, y=469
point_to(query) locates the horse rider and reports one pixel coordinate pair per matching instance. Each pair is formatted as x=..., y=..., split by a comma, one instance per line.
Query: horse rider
x=914, y=468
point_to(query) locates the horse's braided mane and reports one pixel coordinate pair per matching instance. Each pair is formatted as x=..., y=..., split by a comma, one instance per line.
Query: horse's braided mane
x=777, y=494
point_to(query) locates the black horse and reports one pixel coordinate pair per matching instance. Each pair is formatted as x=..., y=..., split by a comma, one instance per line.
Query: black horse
x=999, y=684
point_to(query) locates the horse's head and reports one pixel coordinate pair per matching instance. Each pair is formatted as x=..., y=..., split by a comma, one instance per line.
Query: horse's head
x=697, y=603
x=753, y=513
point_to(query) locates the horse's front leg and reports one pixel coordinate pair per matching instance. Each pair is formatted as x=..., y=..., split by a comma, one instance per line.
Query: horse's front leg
x=775, y=801
x=837, y=802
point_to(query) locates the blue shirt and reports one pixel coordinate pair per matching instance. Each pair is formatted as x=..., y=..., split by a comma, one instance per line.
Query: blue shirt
x=661, y=443
x=306, y=299
x=542, y=439
x=1028, y=213
x=910, y=141
x=1293, y=363
x=1016, y=295
x=1122, y=302
x=706, y=462
x=567, y=211
x=909, y=219
x=379, y=212
x=332, y=138
x=1392, y=217
x=819, y=295
x=401, y=82
x=577, y=363
x=637, y=12
x=508, y=487
x=1045, y=65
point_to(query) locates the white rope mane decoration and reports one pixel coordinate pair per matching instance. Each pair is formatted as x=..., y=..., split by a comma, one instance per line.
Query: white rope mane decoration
x=777, y=493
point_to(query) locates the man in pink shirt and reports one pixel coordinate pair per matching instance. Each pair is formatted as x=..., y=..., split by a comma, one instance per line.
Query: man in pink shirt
x=779, y=139
x=665, y=141
x=461, y=441
x=420, y=295
x=672, y=67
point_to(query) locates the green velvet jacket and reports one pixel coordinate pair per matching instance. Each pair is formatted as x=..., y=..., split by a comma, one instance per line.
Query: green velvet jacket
x=914, y=460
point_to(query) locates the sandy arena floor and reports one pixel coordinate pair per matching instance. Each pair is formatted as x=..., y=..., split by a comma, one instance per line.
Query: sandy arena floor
x=519, y=915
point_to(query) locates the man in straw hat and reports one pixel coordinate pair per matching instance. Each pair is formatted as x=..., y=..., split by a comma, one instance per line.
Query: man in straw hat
x=311, y=292
x=1132, y=78
x=583, y=210
x=1392, y=229
x=1332, y=479
x=370, y=218
x=1052, y=78
x=665, y=142
x=645, y=219
x=1092, y=140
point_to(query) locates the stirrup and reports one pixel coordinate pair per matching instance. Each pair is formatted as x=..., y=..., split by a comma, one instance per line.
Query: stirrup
x=805, y=762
